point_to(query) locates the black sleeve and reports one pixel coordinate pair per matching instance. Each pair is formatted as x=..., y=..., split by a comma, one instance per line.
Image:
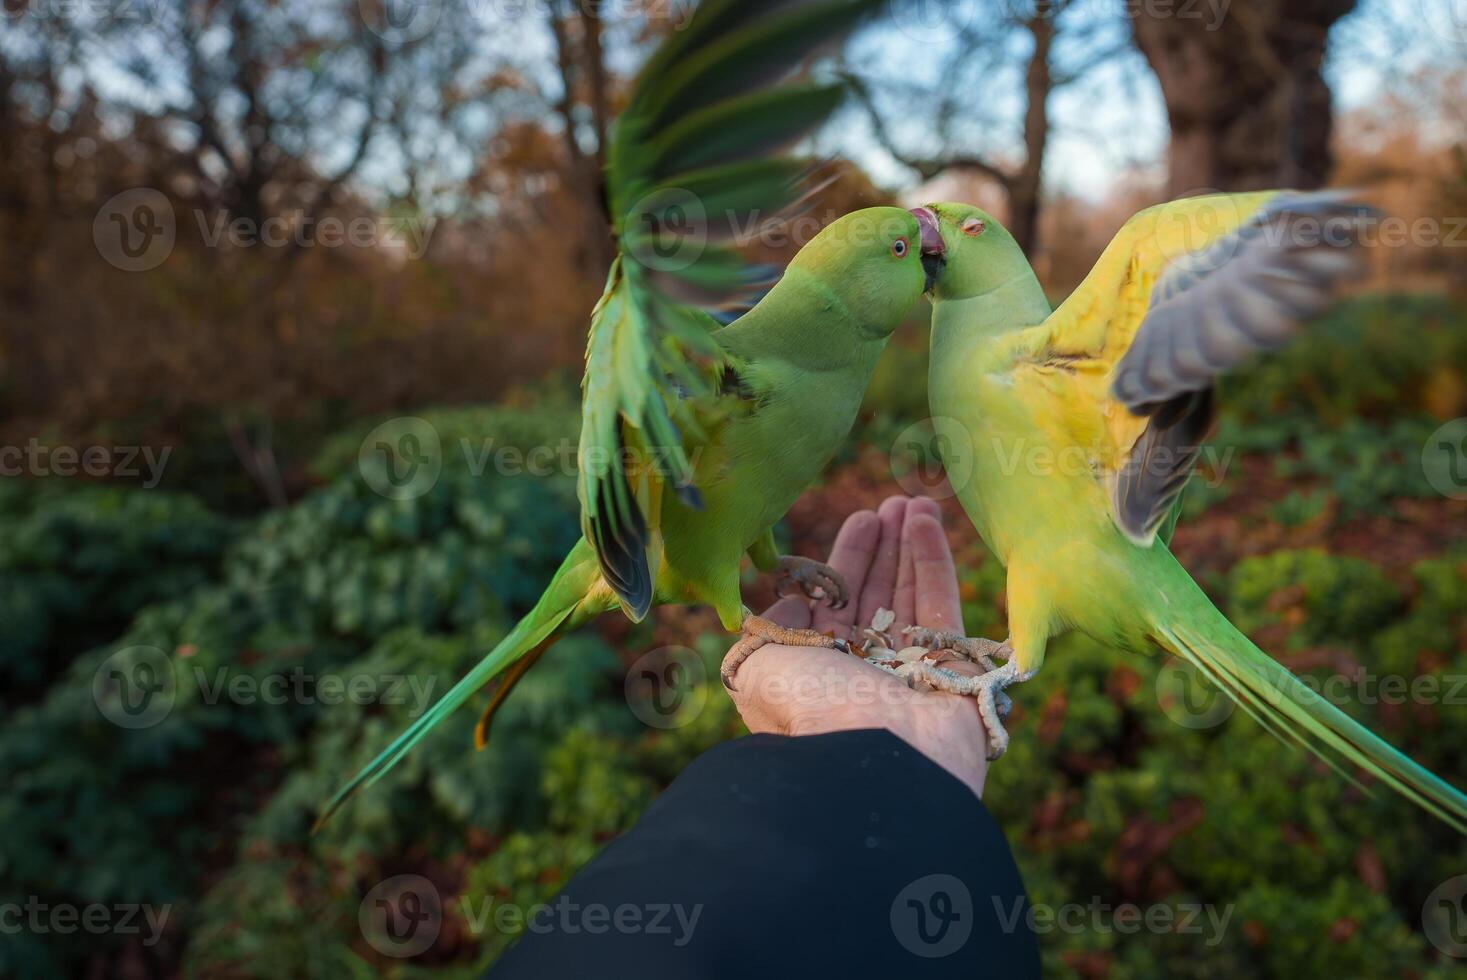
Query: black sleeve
x=849, y=854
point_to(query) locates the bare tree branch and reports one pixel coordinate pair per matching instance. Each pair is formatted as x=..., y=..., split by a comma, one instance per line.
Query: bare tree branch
x=926, y=168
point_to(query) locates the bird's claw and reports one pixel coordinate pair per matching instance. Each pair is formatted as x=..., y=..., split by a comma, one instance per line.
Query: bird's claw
x=759, y=631
x=815, y=579
x=976, y=649
x=987, y=688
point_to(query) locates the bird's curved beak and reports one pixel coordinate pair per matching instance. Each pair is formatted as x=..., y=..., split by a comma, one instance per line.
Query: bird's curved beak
x=934, y=249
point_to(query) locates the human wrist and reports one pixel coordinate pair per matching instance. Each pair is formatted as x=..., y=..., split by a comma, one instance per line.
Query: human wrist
x=951, y=735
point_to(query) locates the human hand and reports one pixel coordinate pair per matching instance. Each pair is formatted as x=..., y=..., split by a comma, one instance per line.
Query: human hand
x=896, y=558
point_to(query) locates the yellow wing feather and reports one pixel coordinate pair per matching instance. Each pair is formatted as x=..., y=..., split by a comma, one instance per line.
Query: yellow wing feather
x=1093, y=329
x=1100, y=318
x=1185, y=292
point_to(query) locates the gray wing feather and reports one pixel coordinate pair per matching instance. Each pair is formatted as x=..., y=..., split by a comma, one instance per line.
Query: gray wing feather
x=1157, y=470
x=1210, y=311
x=1247, y=292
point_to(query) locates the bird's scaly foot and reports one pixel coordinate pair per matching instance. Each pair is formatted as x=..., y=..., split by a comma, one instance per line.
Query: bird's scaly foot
x=759, y=631
x=816, y=580
x=925, y=675
x=988, y=688
x=980, y=650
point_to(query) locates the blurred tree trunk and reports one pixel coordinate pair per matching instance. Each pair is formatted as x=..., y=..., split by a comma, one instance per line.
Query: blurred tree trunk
x=1247, y=104
x=1023, y=183
x=32, y=133
x=15, y=199
x=581, y=64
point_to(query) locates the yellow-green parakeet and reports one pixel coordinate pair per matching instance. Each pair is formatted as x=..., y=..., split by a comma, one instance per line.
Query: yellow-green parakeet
x=1075, y=430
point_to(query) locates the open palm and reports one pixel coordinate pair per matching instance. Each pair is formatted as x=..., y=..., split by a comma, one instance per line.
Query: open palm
x=894, y=558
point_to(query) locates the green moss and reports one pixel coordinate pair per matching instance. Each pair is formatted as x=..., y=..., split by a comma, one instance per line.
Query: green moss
x=1322, y=597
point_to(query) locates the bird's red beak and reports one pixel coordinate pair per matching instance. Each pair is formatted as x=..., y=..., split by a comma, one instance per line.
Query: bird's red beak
x=934, y=249
x=932, y=243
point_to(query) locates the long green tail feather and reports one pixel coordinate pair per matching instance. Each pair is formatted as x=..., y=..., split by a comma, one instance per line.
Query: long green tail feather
x=551, y=615
x=1193, y=629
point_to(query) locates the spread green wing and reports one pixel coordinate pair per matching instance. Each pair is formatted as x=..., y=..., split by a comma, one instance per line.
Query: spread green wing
x=693, y=161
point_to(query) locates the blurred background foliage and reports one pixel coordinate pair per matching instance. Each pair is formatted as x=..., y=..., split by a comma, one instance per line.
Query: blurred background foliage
x=472, y=151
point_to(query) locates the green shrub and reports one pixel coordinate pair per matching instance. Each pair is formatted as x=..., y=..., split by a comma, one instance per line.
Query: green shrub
x=567, y=765
x=1373, y=356
x=346, y=583
x=469, y=436
x=1323, y=598
x=1108, y=800
x=77, y=562
x=1105, y=798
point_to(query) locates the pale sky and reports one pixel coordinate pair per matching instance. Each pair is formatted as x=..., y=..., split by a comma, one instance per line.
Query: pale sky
x=1110, y=122
x=1114, y=121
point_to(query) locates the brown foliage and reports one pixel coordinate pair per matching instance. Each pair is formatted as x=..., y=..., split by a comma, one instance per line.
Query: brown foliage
x=303, y=330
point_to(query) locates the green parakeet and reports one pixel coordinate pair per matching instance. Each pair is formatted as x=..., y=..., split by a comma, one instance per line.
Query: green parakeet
x=1069, y=435
x=697, y=437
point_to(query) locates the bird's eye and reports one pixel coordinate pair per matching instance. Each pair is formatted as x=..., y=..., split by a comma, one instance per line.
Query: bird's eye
x=973, y=227
x=899, y=248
